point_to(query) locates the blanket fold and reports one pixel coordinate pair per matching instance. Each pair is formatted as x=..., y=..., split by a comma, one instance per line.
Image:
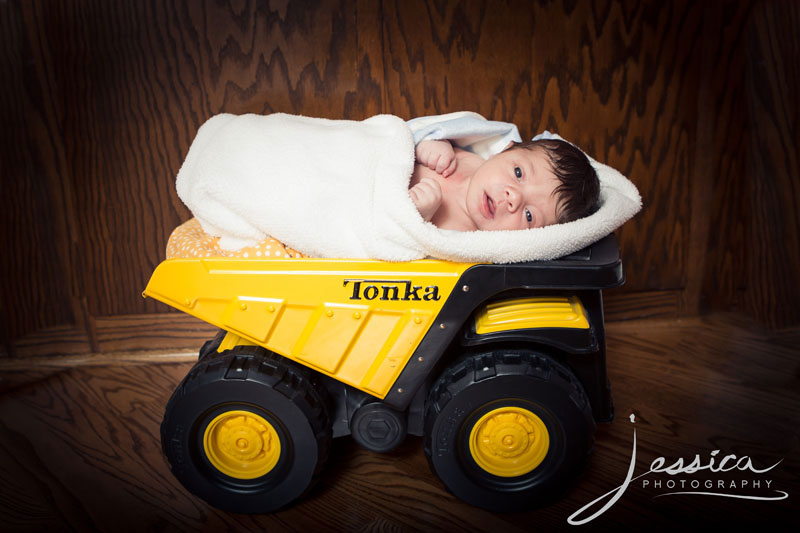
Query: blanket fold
x=338, y=188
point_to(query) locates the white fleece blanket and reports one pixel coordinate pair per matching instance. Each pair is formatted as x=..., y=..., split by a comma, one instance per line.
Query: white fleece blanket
x=337, y=188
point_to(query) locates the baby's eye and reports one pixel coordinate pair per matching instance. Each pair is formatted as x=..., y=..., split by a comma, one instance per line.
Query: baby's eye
x=528, y=216
x=517, y=172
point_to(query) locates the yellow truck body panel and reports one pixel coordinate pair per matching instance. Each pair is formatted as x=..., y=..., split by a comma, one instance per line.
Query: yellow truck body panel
x=358, y=321
x=532, y=313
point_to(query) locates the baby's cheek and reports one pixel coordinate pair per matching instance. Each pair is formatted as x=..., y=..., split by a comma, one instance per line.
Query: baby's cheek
x=513, y=222
x=515, y=225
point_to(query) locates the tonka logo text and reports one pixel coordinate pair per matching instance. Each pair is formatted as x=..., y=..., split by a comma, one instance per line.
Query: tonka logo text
x=369, y=289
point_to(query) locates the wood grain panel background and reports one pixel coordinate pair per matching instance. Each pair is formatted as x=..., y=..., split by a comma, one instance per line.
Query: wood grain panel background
x=101, y=100
x=773, y=86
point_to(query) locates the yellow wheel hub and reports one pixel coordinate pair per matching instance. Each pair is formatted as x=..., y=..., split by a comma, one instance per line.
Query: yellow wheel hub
x=242, y=444
x=509, y=441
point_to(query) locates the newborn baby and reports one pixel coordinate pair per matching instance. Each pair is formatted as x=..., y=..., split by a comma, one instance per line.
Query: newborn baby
x=246, y=177
x=528, y=185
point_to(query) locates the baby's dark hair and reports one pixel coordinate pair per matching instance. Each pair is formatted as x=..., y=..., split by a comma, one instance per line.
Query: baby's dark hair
x=579, y=190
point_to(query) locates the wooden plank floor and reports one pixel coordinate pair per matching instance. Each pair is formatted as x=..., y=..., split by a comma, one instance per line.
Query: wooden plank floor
x=79, y=446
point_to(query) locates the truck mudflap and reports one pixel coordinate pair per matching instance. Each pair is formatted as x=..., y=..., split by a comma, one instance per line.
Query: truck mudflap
x=357, y=321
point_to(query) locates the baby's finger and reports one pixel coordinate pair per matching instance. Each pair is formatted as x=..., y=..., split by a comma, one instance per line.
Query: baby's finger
x=441, y=164
x=450, y=168
x=446, y=159
x=431, y=185
x=433, y=161
x=424, y=190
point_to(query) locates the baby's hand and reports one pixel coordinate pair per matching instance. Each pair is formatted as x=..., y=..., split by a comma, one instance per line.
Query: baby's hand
x=437, y=156
x=427, y=197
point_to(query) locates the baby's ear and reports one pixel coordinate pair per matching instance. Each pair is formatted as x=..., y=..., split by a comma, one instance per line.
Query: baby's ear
x=509, y=145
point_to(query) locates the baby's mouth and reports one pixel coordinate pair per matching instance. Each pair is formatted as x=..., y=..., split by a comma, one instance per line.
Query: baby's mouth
x=489, y=205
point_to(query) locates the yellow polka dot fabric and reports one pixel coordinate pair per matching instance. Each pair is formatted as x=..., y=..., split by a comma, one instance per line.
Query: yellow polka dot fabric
x=189, y=240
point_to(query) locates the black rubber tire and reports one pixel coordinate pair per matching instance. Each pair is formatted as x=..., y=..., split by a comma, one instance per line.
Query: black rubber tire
x=211, y=346
x=480, y=383
x=251, y=379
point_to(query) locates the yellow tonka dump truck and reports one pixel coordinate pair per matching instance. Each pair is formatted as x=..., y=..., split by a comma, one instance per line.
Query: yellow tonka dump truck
x=500, y=368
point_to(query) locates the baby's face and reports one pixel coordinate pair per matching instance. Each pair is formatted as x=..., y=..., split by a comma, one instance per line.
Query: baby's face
x=513, y=190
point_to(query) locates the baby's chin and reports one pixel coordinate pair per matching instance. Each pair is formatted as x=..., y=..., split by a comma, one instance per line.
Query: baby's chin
x=494, y=226
x=478, y=222
x=484, y=226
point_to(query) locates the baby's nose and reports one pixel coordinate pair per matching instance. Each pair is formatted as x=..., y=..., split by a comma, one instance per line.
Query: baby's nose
x=513, y=198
